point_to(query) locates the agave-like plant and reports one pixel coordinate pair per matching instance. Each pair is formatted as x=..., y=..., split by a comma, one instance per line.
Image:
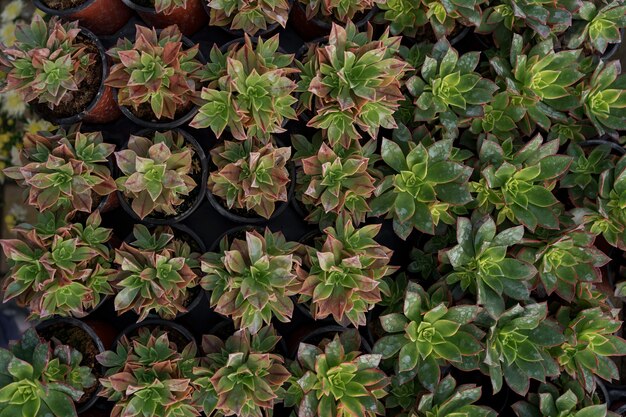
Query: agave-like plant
x=596, y=25
x=341, y=11
x=41, y=380
x=250, y=176
x=240, y=376
x=335, y=181
x=48, y=62
x=449, y=90
x=344, y=278
x=425, y=185
x=65, y=171
x=148, y=374
x=336, y=379
x=156, y=73
x=156, y=172
x=155, y=279
x=590, y=341
x=450, y=400
x=58, y=268
x=250, y=16
x=426, y=335
x=250, y=90
x=251, y=280
x=352, y=81
x=480, y=264
x=518, y=347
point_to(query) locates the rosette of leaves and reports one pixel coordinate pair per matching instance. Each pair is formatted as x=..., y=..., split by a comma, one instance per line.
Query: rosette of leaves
x=64, y=171
x=590, y=342
x=344, y=278
x=240, y=376
x=549, y=401
x=335, y=181
x=251, y=280
x=516, y=182
x=47, y=63
x=156, y=74
x=250, y=176
x=352, y=82
x=481, y=265
x=336, y=379
x=250, y=16
x=606, y=216
x=566, y=260
x=449, y=90
x=58, y=269
x=408, y=17
x=596, y=25
x=518, y=348
x=603, y=98
x=572, y=130
x=582, y=178
x=149, y=375
x=341, y=11
x=425, y=185
x=426, y=335
x=250, y=91
x=39, y=380
x=450, y=400
x=500, y=117
x=155, y=279
x=156, y=172
x=539, y=80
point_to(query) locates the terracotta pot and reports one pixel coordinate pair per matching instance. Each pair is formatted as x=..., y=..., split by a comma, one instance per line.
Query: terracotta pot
x=102, y=17
x=189, y=19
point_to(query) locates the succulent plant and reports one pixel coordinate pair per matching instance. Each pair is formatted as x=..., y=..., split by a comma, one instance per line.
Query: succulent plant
x=549, y=401
x=424, y=336
x=352, y=82
x=63, y=273
x=604, y=98
x=65, y=171
x=251, y=280
x=480, y=264
x=500, y=117
x=341, y=11
x=148, y=375
x=450, y=400
x=344, y=278
x=582, y=179
x=517, y=182
x=168, y=6
x=250, y=16
x=47, y=62
x=596, y=25
x=336, y=379
x=41, y=380
x=250, y=91
x=335, y=181
x=590, y=341
x=157, y=172
x=156, y=73
x=518, y=347
x=250, y=176
x=155, y=279
x=540, y=80
x=566, y=260
x=240, y=376
x=425, y=185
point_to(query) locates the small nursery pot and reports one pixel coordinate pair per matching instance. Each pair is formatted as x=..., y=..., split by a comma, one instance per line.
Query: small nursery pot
x=102, y=17
x=197, y=194
x=102, y=108
x=316, y=28
x=165, y=124
x=238, y=33
x=189, y=19
x=176, y=333
x=80, y=336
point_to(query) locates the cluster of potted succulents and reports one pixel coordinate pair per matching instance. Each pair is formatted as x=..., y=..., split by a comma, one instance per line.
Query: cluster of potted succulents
x=429, y=200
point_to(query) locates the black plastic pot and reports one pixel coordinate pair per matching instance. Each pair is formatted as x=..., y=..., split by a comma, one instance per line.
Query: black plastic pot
x=168, y=124
x=169, y=326
x=103, y=107
x=613, y=47
x=199, y=187
x=46, y=330
x=238, y=33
